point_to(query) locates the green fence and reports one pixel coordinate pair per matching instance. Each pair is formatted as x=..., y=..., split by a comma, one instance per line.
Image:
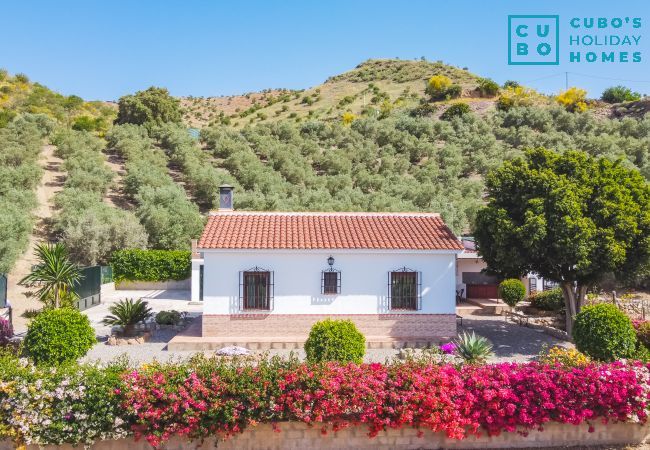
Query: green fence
x=89, y=289
x=3, y=290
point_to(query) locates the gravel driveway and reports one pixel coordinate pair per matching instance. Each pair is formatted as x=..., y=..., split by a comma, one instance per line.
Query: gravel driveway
x=511, y=342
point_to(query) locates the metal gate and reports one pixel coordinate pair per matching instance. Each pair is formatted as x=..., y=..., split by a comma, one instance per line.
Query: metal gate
x=3, y=290
x=89, y=289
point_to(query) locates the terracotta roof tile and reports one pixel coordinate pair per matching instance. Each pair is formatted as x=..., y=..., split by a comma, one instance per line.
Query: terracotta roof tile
x=280, y=230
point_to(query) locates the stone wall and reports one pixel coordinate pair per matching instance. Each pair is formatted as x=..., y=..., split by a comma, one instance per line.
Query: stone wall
x=154, y=285
x=300, y=436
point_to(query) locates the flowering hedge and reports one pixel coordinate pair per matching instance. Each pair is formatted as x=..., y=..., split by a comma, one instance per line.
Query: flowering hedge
x=204, y=397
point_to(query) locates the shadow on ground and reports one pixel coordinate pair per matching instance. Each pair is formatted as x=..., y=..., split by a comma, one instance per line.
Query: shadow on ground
x=510, y=340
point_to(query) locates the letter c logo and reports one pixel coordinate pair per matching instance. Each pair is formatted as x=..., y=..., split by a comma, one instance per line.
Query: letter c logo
x=519, y=32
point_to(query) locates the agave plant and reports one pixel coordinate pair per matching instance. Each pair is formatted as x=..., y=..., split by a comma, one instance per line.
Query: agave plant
x=473, y=349
x=127, y=314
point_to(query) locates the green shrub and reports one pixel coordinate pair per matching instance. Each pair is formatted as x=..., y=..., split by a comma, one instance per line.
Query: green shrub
x=86, y=123
x=453, y=91
x=57, y=336
x=335, y=340
x=440, y=87
x=151, y=265
x=455, y=110
x=641, y=353
x=516, y=96
x=512, y=291
x=487, y=87
x=551, y=300
x=619, y=94
x=127, y=314
x=21, y=78
x=604, y=332
x=172, y=317
x=423, y=110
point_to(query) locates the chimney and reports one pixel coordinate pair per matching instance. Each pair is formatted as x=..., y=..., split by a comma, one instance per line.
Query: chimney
x=225, y=197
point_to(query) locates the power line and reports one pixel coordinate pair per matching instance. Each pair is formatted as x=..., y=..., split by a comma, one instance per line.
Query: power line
x=544, y=77
x=609, y=78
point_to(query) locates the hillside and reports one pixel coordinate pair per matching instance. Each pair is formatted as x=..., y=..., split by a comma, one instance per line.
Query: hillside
x=19, y=95
x=151, y=184
x=365, y=88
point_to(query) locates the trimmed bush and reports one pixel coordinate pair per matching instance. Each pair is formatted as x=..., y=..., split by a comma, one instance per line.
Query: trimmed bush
x=512, y=291
x=455, y=110
x=335, y=340
x=551, y=300
x=604, y=332
x=58, y=336
x=151, y=265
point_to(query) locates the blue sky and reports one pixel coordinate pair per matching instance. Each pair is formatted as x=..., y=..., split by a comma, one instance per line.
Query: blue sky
x=102, y=50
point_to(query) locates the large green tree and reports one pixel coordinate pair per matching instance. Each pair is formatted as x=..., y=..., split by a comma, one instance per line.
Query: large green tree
x=569, y=217
x=153, y=106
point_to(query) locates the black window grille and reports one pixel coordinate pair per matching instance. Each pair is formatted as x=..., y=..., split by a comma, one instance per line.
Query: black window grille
x=256, y=289
x=330, y=282
x=548, y=284
x=532, y=285
x=404, y=289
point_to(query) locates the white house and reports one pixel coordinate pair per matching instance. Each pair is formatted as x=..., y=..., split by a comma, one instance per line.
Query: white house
x=472, y=282
x=268, y=276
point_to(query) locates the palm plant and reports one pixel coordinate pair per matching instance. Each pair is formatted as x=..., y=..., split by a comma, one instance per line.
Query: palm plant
x=127, y=314
x=55, y=275
x=473, y=349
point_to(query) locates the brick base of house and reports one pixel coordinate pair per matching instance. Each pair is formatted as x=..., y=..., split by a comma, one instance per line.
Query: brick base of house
x=290, y=331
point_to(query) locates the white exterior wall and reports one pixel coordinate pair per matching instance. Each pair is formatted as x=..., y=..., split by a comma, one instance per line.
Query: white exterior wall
x=297, y=280
x=196, y=279
x=465, y=264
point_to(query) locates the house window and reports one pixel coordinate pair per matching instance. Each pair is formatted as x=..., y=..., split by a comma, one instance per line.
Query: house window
x=256, y=289
x=548, y=284
x=532, y=285
x=404, y=289
x=331, y=282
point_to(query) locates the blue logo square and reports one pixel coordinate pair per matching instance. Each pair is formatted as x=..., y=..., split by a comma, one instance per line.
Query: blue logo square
x=533, y=40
